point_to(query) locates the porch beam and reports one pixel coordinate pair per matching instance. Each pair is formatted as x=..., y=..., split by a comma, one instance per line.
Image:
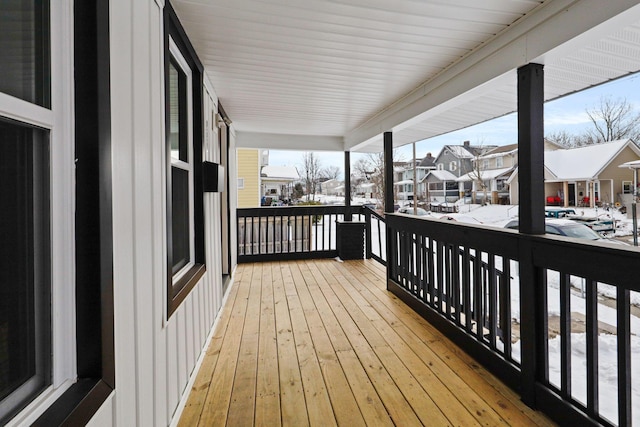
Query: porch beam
x=388, y=172
x=277, y=141
x=549, y=33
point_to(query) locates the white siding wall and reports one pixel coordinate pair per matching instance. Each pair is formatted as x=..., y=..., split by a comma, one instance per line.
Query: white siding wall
x=154, y=357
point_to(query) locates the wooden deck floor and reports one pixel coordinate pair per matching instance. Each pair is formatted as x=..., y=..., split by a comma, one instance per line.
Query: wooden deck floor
x=323, y=343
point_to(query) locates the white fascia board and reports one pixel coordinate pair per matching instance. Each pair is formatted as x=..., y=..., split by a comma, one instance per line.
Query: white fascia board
x=542, y=35
x=289, y=142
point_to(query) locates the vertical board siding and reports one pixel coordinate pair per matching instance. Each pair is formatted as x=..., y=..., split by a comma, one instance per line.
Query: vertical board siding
x=162, y=388
x=143, y=146
x=155, y=356
x=121, y=34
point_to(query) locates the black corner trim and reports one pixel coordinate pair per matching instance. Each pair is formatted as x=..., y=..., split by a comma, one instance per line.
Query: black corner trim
x=77, y=405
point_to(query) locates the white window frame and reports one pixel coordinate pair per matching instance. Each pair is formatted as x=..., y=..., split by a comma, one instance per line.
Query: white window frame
x=59, y=122
x=499, y=162
x=453, y=166
x=629, y=185
x=175, y=53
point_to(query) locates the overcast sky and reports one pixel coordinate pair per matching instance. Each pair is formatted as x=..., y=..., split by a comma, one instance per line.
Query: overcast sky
x=566, y=114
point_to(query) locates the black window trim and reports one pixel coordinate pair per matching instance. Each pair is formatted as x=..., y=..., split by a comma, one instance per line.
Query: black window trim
x=177, y=291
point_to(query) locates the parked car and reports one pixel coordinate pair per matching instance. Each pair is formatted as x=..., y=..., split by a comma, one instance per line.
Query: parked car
x=565, y=227
x=551, y=212
x=409, y=210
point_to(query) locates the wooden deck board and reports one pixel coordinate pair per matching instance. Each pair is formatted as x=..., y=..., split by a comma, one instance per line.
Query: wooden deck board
x=322, y=342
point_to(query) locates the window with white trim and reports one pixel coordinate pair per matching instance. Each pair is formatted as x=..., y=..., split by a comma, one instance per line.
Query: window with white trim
x=181, y=159
x=453, y=166
x=499, y=162
x=37, y=353
x=627, y=187
x=240, y=183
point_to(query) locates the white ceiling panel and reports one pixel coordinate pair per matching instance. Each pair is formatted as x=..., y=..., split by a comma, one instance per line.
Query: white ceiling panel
x=355, y=68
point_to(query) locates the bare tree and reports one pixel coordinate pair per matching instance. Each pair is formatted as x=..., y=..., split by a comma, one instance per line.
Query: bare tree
x=372, y=168
x=564, y=139
x=331, y=172
x=612, y=120
x=477, y=173
x=310, y=173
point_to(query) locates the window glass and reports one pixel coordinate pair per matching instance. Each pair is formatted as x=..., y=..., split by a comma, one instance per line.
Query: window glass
x=178, y=114
x=25, y=324
x=180, y=222
x=24, y=50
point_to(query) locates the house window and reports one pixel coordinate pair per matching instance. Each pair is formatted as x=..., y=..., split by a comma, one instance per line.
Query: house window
x=240, y=183
x=185, y=223
x=25, y=285
x=26, y=330
x=499, y=162
x=453, y=166
x=485, y=164
x=627, y=187
x=440, y=166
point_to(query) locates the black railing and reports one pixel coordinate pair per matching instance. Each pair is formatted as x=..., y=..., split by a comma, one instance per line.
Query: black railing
x=298, y=232
x=519, y=304
x=375, y=231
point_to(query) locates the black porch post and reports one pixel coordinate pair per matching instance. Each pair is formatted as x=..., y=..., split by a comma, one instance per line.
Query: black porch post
x=531, y=195
x=531, y=148
x=388, y=172
x=347, y=185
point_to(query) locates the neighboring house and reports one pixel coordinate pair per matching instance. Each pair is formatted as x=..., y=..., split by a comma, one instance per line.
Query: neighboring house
x=458, y=160
x=490, y=174
x=441, y=186
x=277, y=181
x=590, y=175
x=332, y=187
x=249, y=162
x=587, y=176
x=406, y=177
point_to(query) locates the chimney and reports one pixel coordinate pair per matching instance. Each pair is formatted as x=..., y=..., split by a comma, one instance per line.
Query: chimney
x=466, y=143
x=429, y=156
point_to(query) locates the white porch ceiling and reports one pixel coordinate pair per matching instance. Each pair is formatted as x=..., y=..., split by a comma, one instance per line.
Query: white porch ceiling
x=327, y=74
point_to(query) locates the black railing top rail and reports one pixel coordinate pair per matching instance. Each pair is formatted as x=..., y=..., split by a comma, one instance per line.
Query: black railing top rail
x=601, y=261
x=373, y=212
x=297, y=210
x=480, y=237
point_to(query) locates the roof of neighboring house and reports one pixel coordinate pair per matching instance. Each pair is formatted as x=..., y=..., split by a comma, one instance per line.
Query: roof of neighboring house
x=585, y=162
x=441, y=174
x=428, y=161
x=501, y=151
x=279, y=172
x=485, y=174
x=467, y=151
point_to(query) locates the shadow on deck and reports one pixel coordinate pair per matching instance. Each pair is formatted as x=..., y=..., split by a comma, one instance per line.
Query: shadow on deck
x=321, y=342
